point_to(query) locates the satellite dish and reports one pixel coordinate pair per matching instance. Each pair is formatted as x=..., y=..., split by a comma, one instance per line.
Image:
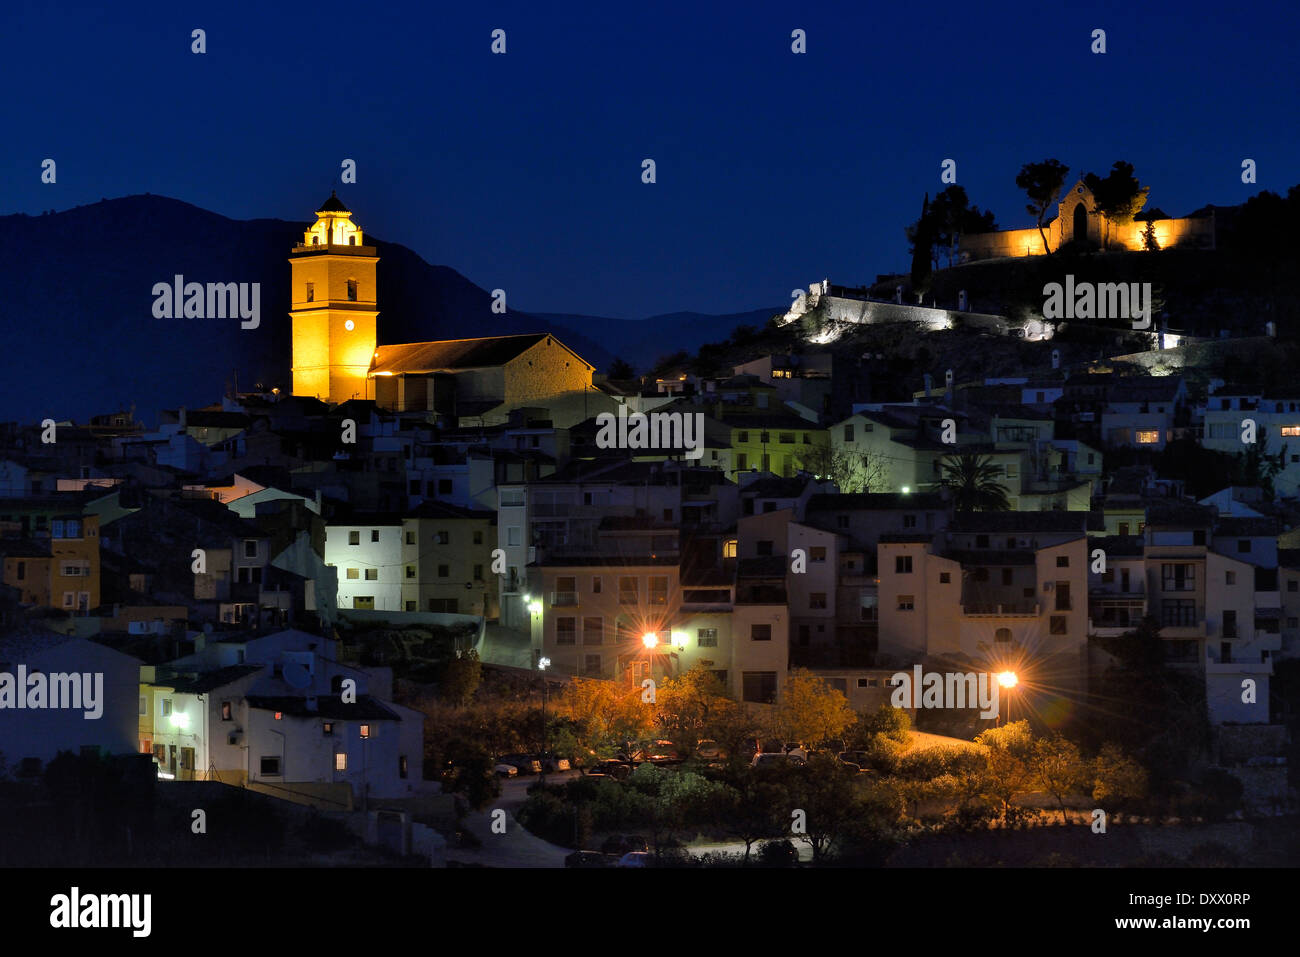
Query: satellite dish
x=297, y=676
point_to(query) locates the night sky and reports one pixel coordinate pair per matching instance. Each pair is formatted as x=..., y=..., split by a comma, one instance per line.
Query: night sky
x=523, y=171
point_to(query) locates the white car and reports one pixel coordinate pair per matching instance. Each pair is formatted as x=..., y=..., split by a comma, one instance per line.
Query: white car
x=506, y=770
x=634, y=859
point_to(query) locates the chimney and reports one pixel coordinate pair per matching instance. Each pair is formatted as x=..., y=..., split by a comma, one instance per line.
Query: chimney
x=898, y=295
x=963, y=304
x=1056, y=358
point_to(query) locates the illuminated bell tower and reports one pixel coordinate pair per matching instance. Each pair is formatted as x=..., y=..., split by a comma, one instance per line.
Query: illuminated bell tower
x=332, y=307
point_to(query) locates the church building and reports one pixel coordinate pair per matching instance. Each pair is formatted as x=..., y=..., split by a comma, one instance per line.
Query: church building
x=336, y=356
x=1079, y=219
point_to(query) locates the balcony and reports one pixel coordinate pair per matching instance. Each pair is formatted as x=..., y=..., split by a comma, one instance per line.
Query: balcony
x=561, y=599
x=1007, y=609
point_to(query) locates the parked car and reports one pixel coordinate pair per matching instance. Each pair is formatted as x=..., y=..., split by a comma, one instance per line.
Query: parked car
x=775, y=758
x=619, y=844
x=710, y=750
x=589, y=859
x=858, y=760
x=552, y=763
x=524, y=763
x=614, y=769
x=634, y=859
x=506, y=770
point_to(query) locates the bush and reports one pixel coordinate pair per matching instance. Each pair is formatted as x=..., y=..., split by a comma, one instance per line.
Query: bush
x=547, y=816
x=778, y=854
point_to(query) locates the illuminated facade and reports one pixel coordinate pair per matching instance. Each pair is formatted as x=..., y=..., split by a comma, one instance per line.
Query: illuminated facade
x=333, y=307
x=1078, y=218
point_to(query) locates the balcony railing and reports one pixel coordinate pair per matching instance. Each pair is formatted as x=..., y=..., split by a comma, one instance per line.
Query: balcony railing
x=563, y=598
x=1001, y=609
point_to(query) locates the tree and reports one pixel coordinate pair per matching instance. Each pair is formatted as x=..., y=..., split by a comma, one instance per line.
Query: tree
x=754, y=809
x=952, y=216
x=886, y=720
x=1117, y=779
x=921, y=237
x=1009, y=750
x=1119, y=195
x=972, y=480
x=606, y=714
x=851, y=471
x=1149, y=708
x=619, y=369
x=827, y=794
x=1149, y=241
x=691, y=707
x=1042, y=183
x=461, y=677
x=1059, y=768
x=809, y=710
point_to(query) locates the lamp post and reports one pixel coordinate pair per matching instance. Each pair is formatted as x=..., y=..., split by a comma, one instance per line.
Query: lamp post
x=542, y=664
x=1006, y=680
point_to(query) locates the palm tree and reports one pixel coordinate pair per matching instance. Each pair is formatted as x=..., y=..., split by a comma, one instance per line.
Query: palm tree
x=972, y=480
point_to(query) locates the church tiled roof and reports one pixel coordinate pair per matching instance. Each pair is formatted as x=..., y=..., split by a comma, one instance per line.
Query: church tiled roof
x=452, y=354
x=333, y=205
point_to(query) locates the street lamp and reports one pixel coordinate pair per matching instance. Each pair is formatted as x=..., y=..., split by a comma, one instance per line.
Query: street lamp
x=1007, y=680
x=542, y=664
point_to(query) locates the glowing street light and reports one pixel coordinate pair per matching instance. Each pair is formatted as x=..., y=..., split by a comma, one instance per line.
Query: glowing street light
x=535, y=607
x=650, y=639
x=1007, y=680
x=543, y=663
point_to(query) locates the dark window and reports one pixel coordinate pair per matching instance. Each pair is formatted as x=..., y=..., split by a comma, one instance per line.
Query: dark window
x=270, y=767
x=1229, y=623
x=902, y=564
x=1007, y=576
x=1243, y=544
x=374, y=534
x=444, y=486
x=352, y=290
x=1062, y=561
x=354, y=538
x=1058, y=624
x=909, y=521
x=1062, y=596
x=759, y=686
x=225, y=711
x=945, y=578
x=401, y=765
x=981, y=541
x=1178, y=577
x=566, y=631
x=1178, y=612
x=760, y=632
x=764, y=548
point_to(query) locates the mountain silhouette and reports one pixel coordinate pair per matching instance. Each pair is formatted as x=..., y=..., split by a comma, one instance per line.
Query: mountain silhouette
x=83, y=340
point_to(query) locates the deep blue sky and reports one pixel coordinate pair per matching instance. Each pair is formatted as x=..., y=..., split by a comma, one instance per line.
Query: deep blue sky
x=523, y=171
